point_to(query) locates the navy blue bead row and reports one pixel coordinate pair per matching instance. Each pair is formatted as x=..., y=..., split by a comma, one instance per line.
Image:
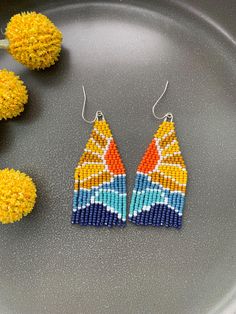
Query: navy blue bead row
x=96, y=215
x=158, y=215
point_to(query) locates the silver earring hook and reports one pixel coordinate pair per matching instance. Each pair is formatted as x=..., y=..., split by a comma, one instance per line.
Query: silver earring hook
x=168, y=115
x=98, y=116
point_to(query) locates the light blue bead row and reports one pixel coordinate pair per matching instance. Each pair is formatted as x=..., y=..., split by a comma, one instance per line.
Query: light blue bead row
x=111, y=195
x=147, y=193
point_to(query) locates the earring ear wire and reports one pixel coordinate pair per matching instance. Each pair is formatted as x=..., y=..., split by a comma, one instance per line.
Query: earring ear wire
x=98, y=115
x=168, y=116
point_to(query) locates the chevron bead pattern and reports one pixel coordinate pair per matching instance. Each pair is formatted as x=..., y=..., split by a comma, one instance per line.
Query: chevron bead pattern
x=100, y=182
x=160, y=185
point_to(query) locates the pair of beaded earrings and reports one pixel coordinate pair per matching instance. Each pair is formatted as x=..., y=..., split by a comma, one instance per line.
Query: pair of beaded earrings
x=100, y=179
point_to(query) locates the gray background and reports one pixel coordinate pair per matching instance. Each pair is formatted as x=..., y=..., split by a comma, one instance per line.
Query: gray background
x=123, y=52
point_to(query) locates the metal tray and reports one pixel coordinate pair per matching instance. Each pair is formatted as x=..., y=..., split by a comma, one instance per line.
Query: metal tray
x=123, y=52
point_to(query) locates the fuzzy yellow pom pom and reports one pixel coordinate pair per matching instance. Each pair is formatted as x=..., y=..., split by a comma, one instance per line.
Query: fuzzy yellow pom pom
x=13, y=95
x=17, y=195
x=33, y=40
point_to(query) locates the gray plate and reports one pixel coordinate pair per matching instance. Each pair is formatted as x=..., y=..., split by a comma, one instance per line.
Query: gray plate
x=123, y=52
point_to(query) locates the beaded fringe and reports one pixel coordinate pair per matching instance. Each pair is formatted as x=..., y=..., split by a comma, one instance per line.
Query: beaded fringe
x=160, y=185
x=100, y=182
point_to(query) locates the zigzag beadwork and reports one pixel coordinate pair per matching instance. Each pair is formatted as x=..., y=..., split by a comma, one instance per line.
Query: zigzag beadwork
x=100, y=182
x=159, y=192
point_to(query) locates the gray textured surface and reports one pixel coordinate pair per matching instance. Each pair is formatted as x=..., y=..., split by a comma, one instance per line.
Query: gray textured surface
x=124, y=52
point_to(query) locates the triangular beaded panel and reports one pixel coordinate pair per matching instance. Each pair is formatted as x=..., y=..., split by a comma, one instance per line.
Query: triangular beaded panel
x=160, y=185
x=100, y=182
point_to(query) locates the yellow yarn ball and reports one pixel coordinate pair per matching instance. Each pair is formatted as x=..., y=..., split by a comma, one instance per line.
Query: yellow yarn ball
x=33, y=40
x=13, y=95
x=17, y=195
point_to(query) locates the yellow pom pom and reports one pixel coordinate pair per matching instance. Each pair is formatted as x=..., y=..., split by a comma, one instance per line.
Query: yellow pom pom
x=17, y=195
x=33, y=40
x=13, y=95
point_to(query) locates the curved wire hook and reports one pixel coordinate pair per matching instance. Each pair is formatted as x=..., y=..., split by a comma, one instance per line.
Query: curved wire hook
x=168, y=115
x=98, y=115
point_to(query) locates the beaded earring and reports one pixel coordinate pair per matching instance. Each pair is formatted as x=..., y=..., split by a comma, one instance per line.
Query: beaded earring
x=160, y=185
x=100, y=179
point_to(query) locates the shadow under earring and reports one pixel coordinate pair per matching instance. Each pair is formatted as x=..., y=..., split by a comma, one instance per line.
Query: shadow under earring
x=100, y=179
x=160, y=185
